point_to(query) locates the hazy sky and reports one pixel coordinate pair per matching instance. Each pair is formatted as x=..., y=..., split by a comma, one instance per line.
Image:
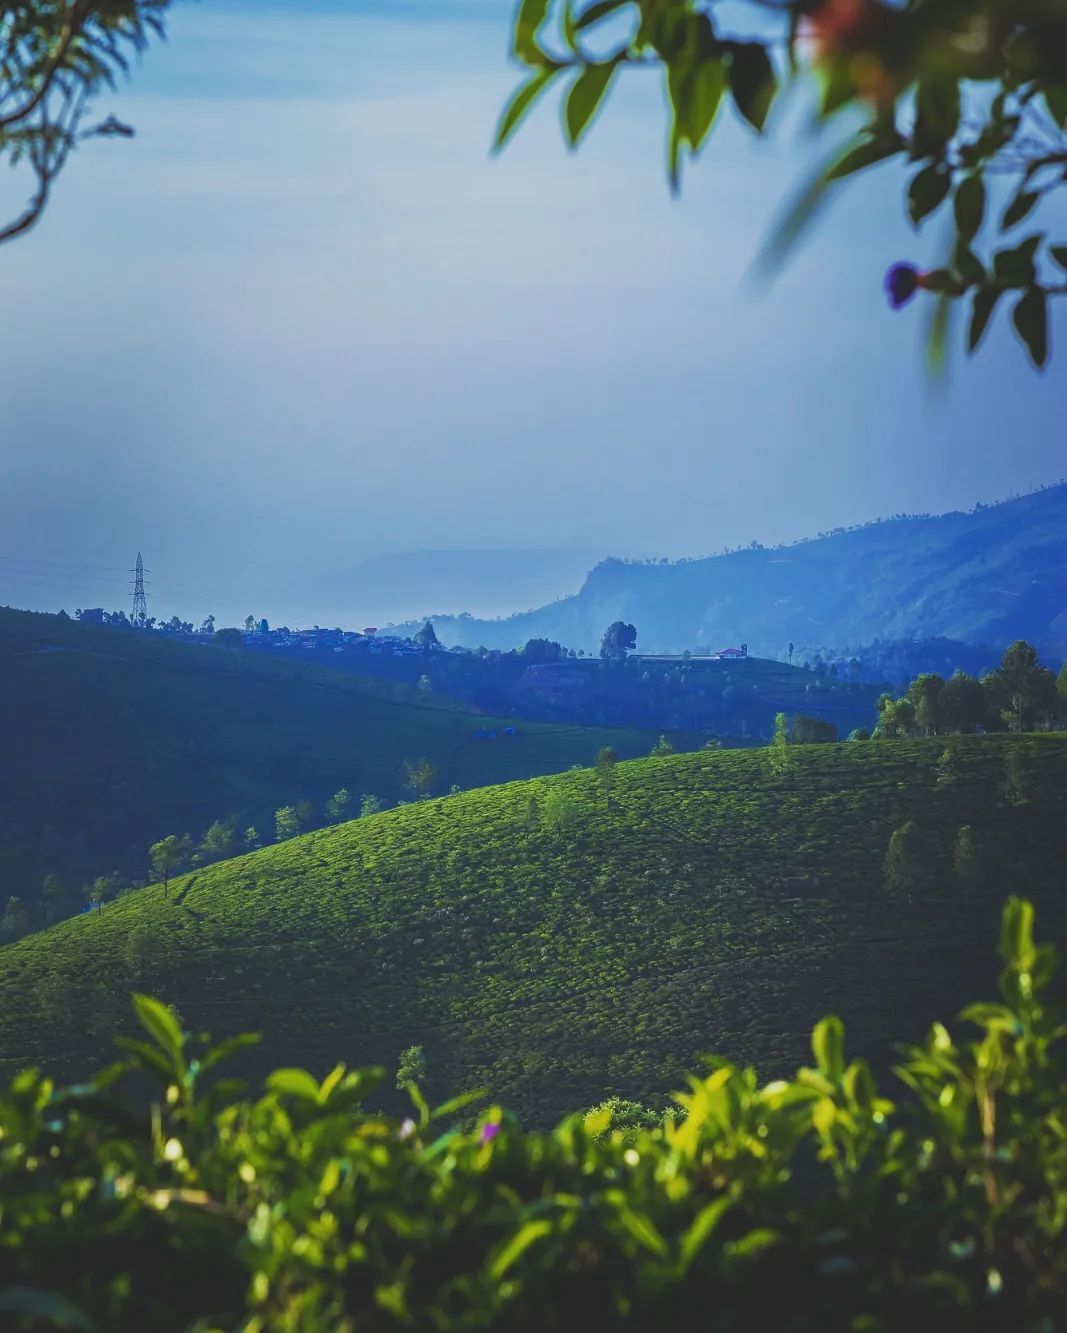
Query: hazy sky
x=305, y=318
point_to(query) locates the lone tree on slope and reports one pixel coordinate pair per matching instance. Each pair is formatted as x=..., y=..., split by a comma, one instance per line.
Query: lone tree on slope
x=619, y=639
x=168, y=855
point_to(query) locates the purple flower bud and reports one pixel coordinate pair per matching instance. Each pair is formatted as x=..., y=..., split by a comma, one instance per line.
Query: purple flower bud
x=901, y=283
x=489, y=1131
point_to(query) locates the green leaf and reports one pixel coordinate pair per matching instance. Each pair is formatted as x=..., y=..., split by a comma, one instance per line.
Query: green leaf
x=521, y=102
x=754, y=1243
x=707, y=85
x=586, y=94
x=828, y=1047
x=806, y=205
x=643, y=1231
x=294, y=1083
x=938, y=338
x=1019, y=207
x=224, y=1049
x=147, y=1057
x=928, y=191
x=752, y=82
x=598, y=1122
x=599, y=11
x=1017, y=926
x=985, y=300
x=44, y=1308
x=701, y=1228
x=1030, y=318
x=1056, y=101
x=859, y=1085
x=419, y=1102
x=996, y=1016
x=863, y=155
x=160, y=1024
x=455, y=1104
x=937, y=109
x=1015, y=268
x=695, y=91
x=532, y=13
x=528, y=1234
x=969, y=266
x=969, y=207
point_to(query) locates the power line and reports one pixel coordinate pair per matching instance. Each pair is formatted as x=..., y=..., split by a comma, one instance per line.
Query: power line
x=59, y=564
x=140, y=601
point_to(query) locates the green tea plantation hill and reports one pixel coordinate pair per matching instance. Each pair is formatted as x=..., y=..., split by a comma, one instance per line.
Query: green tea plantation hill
x=556, y=943
x=113, y=739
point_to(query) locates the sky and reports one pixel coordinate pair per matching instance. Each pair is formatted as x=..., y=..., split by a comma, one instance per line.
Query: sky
x=305, y=318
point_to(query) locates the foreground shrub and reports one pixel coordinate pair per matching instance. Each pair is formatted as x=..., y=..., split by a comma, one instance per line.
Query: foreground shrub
x=812, y=1204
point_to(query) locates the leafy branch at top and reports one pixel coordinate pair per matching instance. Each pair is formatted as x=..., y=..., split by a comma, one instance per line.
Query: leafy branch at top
x=55, y=57
x=961, y=90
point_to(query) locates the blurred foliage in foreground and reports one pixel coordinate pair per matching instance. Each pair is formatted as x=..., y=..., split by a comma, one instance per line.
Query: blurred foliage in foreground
x=810, y=1204
x=962, y=92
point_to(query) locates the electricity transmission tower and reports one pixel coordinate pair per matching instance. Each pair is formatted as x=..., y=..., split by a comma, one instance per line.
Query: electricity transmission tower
x=140, y=601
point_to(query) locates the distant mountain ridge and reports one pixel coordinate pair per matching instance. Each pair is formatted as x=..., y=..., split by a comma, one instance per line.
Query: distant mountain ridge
x=987, y=576
x=404, y=585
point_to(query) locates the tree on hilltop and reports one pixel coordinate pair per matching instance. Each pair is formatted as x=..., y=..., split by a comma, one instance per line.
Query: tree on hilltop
x=1021, y=687
x=426, y=637
x=411, y=1069
x=286, y=823
x=619, y=639
x=339, y=806
x=924, y=694
x=219, y=841
x=419, y=778
x=778, y=750
x=15, y=922
x=966, y=863
x=168, y=855
x=906, y=861
x=606, y=761
x=964, y=704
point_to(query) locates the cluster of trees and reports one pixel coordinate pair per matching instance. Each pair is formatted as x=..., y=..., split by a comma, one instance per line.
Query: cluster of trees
x=1019, y=695
x=911, y=857
x=911, y=862
x=177, y=853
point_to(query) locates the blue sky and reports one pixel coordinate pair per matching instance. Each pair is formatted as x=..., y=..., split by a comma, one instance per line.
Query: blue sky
x=305, y=318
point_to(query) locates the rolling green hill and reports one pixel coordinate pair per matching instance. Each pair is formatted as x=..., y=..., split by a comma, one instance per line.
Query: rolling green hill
x=114, y=739
x=556, y=946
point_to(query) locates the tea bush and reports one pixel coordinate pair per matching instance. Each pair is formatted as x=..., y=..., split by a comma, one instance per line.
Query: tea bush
x=810, y=1204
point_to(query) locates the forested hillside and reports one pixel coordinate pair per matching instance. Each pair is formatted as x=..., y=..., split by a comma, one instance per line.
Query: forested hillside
x=587, y=933
x=990, y=576
x=113, y=739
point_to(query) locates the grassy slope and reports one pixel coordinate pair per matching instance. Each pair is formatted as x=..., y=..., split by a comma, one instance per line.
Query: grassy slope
x=556, y=966
x=113, y=739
